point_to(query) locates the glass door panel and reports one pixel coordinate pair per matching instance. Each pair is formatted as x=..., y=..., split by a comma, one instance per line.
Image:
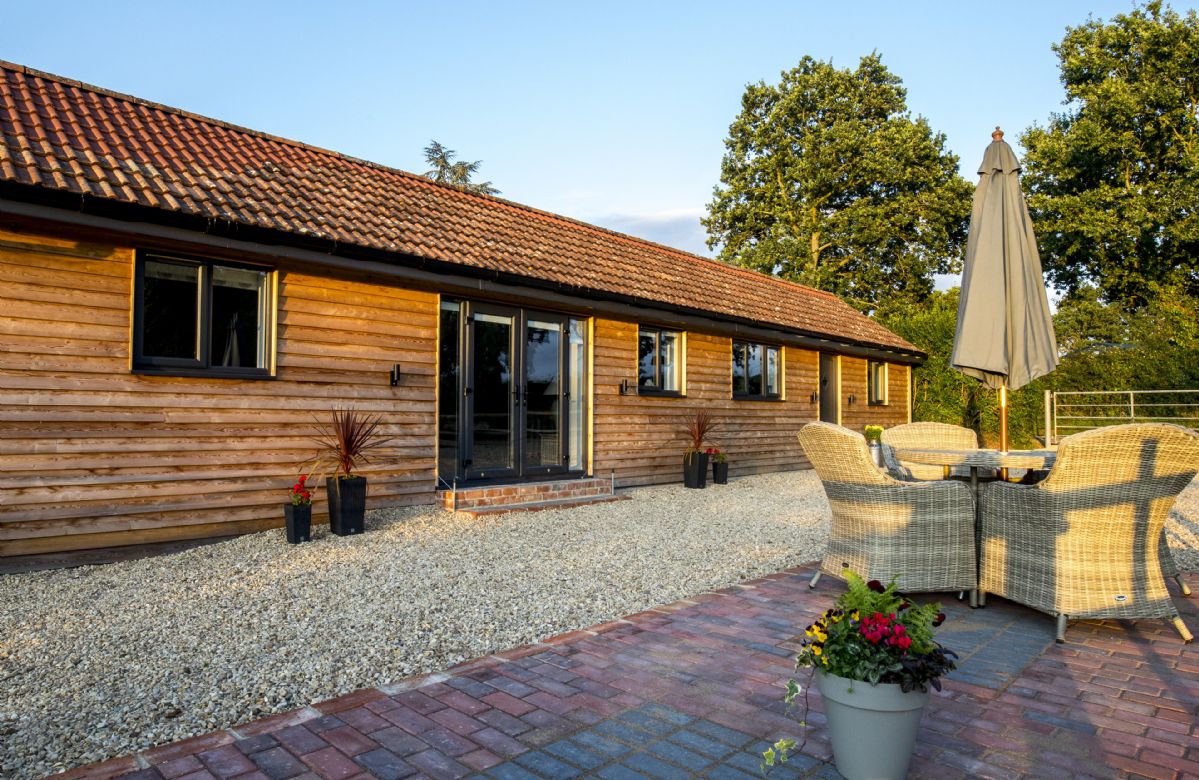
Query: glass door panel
x=491, y=394
x=542, y=405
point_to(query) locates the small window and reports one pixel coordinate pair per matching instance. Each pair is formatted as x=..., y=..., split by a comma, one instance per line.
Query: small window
x=876, y=382
x=659, y=361
x=757, y=371
x=197, y=316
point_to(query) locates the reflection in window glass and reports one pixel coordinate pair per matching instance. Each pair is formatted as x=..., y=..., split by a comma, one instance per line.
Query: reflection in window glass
x=238, y=314
x=772, y=371
x=659, y=360
x=447, y=392
x=753, y=369
x=756, y=371
x=876, y=380
x=647, y=363
x=171, y=310
x=668, y=361
x=576, y=360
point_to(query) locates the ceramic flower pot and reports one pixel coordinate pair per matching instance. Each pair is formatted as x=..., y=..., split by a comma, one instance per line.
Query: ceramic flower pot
x=695, y=469
x=299, y=522
x=872, y=727
x=347, y=505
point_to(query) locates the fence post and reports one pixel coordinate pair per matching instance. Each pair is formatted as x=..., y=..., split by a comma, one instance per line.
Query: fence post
x=1132, y=407
x=1048, y=418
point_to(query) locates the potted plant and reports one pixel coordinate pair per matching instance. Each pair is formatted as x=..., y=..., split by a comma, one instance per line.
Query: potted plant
x=873, y=435
x=720, y=466
x=298, y=513
x=695, y=460
x=873, y=657
x=345, y=444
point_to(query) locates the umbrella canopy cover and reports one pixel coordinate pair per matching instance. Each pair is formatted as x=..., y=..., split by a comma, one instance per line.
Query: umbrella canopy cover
x=1005, y=331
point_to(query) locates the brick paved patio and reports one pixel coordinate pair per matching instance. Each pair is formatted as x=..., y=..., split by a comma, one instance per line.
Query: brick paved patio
x=693, y=689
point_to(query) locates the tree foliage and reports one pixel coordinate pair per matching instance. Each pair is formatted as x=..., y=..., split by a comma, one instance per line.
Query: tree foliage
x=447, y=170
x=827, y=180
x=1114, y=179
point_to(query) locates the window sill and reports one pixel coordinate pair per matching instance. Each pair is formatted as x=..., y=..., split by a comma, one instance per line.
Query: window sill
x=659, y=393
x=878, y=403
x=202, y=373
x=768, y=398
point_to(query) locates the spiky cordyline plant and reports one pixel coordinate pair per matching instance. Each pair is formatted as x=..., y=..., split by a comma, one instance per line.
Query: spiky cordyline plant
x=697, y=426
x=348, y=441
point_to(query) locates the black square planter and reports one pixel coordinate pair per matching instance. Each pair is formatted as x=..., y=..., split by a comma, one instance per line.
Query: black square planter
x=720, y=472
x=695, y=469
x=299, y=522
x=347, y=504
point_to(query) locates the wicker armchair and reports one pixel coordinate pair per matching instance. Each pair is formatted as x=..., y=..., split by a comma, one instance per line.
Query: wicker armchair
x=927, y=436
x=921, y=533
x=1087, y=542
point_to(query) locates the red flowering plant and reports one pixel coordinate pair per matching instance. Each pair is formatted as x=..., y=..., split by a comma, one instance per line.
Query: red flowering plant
x=300, y=494
x=716, y=455
x=874, y=635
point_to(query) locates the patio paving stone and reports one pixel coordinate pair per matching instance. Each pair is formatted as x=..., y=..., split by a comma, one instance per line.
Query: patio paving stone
x=693, y=689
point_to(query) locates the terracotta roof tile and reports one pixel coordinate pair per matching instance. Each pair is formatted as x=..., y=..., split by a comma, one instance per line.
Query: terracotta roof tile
x=73, y=137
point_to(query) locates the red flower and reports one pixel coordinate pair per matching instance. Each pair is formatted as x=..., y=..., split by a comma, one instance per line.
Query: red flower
x=939, y=619
x=875, y=586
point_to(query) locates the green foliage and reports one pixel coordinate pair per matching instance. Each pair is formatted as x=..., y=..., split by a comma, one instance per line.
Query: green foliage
x=447, y=170
x=827, y=180
x=1109, y=347
x=1113, y=180
x=873, y=432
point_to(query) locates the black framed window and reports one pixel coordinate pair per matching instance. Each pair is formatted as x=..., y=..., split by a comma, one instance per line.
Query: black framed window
x=659, y=361
x=757, y=371
x=876, y=382
x=197, y=316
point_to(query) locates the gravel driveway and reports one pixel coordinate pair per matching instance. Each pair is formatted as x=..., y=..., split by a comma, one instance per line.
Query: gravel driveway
x=106, y=660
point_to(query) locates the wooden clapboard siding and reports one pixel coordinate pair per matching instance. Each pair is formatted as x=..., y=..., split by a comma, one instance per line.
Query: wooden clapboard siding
x=92, y=455
x=859, y=414
x=641, y=438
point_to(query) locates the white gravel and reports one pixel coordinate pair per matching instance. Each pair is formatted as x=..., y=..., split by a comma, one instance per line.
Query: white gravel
x=107, y=660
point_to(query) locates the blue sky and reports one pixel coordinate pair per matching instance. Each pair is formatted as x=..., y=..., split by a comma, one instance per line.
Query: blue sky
x=610, y=112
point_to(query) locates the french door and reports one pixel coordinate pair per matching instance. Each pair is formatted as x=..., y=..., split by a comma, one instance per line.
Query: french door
x=514, y=411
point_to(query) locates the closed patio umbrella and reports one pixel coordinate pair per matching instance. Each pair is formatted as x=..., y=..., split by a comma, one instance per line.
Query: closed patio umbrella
x=1005, y=332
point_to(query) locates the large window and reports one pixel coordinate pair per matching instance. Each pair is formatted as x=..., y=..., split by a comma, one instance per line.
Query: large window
x=659, y=363
x=757, y=371
x=200, y=316
x=876, y=382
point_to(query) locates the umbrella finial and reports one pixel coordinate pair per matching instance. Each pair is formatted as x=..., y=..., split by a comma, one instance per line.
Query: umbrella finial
x=997, y=135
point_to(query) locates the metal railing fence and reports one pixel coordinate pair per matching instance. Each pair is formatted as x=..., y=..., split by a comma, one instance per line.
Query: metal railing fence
x=1072, y=411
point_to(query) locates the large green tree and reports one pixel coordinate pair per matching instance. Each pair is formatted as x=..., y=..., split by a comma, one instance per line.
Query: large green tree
x=1113, y=180
x=828, y=180
x=457, y=172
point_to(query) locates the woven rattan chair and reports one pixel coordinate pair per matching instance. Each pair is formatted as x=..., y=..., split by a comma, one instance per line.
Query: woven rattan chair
x=921, y=533
x=925, y=436
x=1087, y=542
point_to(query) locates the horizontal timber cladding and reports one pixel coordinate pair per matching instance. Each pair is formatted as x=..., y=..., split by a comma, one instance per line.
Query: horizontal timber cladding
x=92, y=455
x=641, y=438
x=860, y=413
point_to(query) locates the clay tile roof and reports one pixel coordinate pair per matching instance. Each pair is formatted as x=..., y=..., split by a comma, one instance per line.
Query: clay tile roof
x=67, y=136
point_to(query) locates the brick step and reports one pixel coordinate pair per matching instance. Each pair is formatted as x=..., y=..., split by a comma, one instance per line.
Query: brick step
x=487, y=496
x=537, y=506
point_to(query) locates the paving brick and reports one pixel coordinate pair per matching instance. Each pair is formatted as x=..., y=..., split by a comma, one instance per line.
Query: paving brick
x=277, y=764
x=574, y=753
x=349, y=741
x=547, y=765
x=226, y=761
x=179, y=766
x=601, y=743
x=363, y=720
x=456, y=721
x=498, y=742
x=384, y=764
x=398, y=741
x=331, y=764
x=300, y=740
x=510, y=725
x=481, y=759
x=508, y=703
x=512, y=771
x=438, y=765
x=255, y=744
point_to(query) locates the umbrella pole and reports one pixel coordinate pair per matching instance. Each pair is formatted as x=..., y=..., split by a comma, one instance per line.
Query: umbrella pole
x=1003, y=425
